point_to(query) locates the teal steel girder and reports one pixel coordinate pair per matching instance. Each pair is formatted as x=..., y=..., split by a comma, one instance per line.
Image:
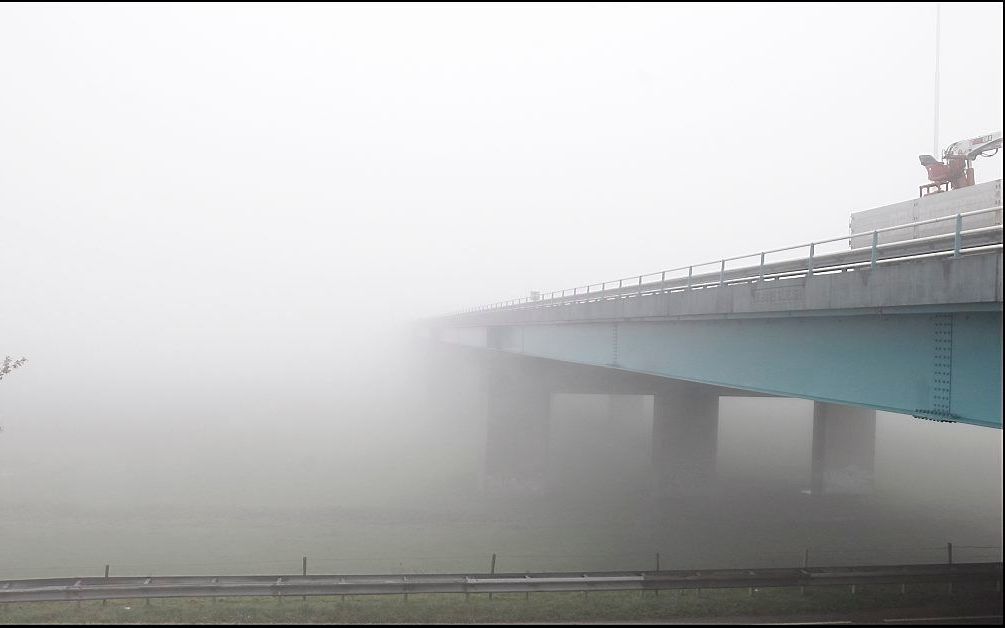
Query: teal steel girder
x=941, y=366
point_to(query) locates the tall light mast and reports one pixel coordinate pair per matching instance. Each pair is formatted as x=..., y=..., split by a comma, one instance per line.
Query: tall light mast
x=935, y=144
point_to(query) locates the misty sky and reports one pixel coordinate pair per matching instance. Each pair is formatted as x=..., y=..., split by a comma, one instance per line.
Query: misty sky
x=201, y=199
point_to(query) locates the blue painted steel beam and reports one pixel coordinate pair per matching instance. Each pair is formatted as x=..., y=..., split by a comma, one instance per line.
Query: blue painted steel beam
x=941, y=366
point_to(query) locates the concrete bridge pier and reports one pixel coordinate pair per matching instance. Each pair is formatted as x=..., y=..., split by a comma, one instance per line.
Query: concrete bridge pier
x=685, y=433
x=518, y=413
x=844, y=449
x=620, y=406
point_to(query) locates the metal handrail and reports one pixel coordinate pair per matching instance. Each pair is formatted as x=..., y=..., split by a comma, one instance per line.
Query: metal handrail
x=131, y=587
x=637, y=279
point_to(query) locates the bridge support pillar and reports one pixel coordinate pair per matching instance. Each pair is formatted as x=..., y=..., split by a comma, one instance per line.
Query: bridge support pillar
x=685, y=433
x=519, y=409
x=620, y=406
x=844, y=449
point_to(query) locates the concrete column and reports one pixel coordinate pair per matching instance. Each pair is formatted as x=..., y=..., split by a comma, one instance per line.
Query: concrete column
x=519, y=407
x=436, y=368
x=685, y=431
x=844, y=449
x=623, y=407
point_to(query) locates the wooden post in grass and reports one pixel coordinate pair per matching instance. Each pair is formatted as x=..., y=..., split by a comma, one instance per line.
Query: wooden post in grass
x=304, y=598
x=105, y=602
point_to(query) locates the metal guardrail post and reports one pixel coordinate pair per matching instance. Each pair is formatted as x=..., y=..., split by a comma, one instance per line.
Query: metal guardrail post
x=640, y=285
x=663, y=281
x=809, y=265
x=956, y=242
x=949, y=546
x=690, y=271
x=875, y=242
x=806, y=564
x=760, y=276
x=722, y=272
x=492, y=570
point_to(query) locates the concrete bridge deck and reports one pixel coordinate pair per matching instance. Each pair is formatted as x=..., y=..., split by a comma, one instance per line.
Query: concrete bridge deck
x=912, y=327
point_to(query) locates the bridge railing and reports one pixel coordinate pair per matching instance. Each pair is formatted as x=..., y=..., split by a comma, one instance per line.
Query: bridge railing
x=804, y=259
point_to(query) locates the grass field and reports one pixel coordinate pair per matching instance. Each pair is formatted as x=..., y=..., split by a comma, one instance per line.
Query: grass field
x=225, y=504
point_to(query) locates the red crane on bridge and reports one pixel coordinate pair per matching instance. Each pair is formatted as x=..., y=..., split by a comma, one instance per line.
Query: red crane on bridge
x=956, y=170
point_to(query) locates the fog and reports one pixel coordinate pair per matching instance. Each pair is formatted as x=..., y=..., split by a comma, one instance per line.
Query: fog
x=218, y=223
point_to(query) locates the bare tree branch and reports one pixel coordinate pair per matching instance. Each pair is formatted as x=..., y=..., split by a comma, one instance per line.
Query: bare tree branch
x=9, y=365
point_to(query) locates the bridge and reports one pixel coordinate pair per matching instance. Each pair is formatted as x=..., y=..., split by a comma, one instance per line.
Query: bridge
x=903, y=314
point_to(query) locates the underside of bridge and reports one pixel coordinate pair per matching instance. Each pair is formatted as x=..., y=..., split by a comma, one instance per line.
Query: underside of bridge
x=519, y=395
